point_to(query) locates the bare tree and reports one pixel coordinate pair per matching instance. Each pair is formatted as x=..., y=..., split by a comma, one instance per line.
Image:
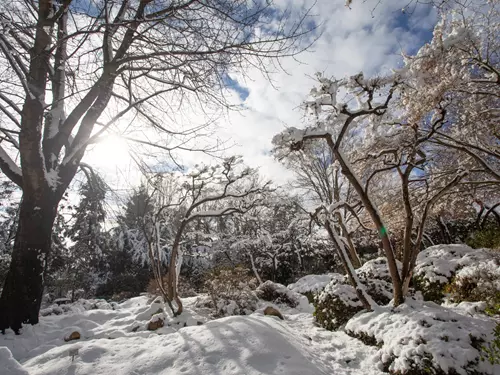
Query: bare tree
x=319, y=177
x=332, y=128
x=70, y=71
x=231, y=187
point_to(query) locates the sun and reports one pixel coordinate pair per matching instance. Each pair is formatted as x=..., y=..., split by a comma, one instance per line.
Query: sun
x=111, y=152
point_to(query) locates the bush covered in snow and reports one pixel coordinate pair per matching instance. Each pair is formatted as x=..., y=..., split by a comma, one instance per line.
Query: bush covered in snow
x=339, y=301
x=476, y=283
x=231, y=292
x=78, y=306
x=311, y=285
x=279, y=294
x=437, y=266
x=421, y=338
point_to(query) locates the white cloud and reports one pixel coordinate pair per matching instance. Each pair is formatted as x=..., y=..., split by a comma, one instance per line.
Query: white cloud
x=360, y=39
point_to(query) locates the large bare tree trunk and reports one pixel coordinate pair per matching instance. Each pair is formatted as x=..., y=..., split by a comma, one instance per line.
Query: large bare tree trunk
x=23, y=288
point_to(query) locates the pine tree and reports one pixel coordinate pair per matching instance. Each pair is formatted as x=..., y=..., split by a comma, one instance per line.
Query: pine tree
x=126, y=259
x=86, y=259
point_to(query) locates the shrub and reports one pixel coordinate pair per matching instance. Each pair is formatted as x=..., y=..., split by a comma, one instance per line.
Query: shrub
x=279, y=294
x=375, y=275
x=437, y=266
x=477, y=283
x=336, y=304
x=421, y=338
x=488, y=237
x=339, y=302
x=311, y=285
x=230, y=291
x=491, y=351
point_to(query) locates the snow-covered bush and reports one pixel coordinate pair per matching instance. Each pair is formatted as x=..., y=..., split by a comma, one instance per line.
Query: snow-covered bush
x=79, y=306
x=375, y=275
x=231, y=292
x=339, y=301
x=477, y=283
x=279, y=294
x=421, y=338
x=438, y=265
x=311, y=285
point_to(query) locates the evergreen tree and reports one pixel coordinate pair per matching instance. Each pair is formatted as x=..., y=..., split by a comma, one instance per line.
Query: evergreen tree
x=128, y=271
x=85, y=264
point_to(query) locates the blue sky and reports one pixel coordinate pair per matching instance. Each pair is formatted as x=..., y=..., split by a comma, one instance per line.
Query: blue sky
x=361, y=39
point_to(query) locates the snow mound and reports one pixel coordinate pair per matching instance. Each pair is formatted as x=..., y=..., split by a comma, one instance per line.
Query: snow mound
x=425, y=338
x=248, y=345
x=128, y=319
x=9, y=365
x=311, y=283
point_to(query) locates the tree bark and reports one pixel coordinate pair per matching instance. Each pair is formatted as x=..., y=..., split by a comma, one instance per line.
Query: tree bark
x=365, y=299
x=377, y=220
x=23, y=288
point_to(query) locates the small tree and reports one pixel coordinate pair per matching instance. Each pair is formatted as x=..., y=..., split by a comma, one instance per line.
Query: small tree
x=233, y=188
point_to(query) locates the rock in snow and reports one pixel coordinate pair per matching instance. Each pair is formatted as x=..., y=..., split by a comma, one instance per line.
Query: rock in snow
x=269, y=310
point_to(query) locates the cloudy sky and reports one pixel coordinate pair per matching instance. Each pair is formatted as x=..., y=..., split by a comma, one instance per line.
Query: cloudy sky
x=369, y=37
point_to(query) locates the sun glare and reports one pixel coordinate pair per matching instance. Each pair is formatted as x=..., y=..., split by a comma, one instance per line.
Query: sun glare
x=110, y=152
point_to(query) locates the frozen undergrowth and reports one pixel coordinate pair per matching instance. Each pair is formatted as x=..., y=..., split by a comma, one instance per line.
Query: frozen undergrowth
x=426, y=338
x=281, y=295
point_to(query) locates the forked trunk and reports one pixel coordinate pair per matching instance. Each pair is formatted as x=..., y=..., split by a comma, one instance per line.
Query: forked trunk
x=23, y=288
x=172, y=280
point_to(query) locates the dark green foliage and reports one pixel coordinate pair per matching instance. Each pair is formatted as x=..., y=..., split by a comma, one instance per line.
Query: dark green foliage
x=84, y=266
x=331, y=313
x=277, y=293
x=488, y=237
x=126, y=258
x=431, y=291
x=8, y=224
x=491, y=351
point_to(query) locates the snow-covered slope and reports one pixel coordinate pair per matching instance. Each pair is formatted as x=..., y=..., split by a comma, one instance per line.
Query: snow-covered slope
x=116, y=342
x=236, y=345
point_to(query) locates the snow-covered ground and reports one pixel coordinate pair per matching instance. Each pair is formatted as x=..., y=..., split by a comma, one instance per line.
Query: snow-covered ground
x=117, y=342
